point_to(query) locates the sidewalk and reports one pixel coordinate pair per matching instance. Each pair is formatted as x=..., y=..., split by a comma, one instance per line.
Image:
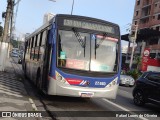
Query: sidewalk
x=13, y=96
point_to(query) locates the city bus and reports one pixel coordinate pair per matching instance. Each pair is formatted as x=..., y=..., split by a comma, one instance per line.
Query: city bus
x=74, y=56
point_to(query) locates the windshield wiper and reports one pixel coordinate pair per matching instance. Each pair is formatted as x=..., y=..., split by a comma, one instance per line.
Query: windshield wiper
x=80, y=40
x=101, y=40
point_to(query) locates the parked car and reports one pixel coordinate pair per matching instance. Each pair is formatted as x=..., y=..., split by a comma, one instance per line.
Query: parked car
x=127, y=80
x=147, y=89
x=14, y=54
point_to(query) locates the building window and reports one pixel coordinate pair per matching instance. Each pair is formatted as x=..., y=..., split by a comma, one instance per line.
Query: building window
x=136, y=13
x=158, y=17
x=155, y=5
x=135, y=22
x=153, y=17
x=144, y=21
x=153, y=41
x=138, y=2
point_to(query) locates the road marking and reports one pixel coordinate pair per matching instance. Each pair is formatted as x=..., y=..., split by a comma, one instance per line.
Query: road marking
x=124, y=109
x=33, y=104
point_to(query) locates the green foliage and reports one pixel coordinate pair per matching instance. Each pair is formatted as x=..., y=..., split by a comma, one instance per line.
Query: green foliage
x=138, y=60
x=14, y=43
x=134, y=73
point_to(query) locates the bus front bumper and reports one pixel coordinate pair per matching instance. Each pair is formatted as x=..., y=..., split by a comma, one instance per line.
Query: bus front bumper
x=58, y=88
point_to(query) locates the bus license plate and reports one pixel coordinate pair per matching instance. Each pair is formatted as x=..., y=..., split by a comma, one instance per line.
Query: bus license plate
x=86, y=94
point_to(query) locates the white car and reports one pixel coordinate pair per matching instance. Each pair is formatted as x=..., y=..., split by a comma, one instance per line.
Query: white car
x=14, y=54
x=126, y=80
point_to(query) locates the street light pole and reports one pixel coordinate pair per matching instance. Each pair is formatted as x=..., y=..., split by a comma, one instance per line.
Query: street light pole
x=133, y=38
x=72, y=7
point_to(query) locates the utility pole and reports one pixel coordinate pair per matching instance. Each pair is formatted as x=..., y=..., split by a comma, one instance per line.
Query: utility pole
x=72, y=7
x=132, y=37
x=5, y=40
x=7, y=19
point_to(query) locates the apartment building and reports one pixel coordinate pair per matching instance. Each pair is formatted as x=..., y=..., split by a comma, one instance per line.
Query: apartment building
x=147, y=18
x=147, y=14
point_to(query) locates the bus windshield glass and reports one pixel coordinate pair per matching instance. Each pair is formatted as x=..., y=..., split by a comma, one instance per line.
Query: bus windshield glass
x=86, y=51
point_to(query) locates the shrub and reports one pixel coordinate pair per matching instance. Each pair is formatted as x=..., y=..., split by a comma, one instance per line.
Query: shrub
x=134, y=73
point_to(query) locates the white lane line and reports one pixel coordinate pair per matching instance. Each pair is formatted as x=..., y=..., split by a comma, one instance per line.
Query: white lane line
x=124, y=109
x=33, y=104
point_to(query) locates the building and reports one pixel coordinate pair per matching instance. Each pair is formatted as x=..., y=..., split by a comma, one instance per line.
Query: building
x=147, y=14
x=147, y=19
x=47, y=17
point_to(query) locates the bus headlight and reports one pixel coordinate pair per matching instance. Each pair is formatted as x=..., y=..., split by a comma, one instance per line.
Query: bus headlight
x=60, y=78
x=114, y=82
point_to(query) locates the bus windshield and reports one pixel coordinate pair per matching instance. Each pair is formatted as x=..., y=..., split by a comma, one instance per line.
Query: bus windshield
x=86, y=51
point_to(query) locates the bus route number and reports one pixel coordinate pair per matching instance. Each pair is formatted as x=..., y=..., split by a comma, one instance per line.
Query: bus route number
x=100, y=83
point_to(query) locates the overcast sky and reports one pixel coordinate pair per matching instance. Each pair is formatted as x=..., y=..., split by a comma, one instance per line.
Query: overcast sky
x=30, y=12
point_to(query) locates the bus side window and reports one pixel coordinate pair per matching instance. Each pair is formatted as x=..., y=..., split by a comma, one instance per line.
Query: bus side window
x=32, y=51
x=35, y=41
x=44, y=37
x=38, y=39
x=36, y=47
x=28, y=45
x=42, y=42
x=39, y=44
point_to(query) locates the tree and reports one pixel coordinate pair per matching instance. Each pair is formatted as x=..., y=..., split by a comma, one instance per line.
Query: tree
x=138, y=60
x=14, y=43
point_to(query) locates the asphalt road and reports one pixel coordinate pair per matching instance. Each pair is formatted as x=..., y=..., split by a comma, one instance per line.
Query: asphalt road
x=90, y=108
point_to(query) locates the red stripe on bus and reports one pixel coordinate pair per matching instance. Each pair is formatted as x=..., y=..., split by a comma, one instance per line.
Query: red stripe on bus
x=72, y=81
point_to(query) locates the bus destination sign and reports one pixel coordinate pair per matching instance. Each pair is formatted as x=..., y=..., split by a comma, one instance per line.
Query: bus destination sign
x=89, y=25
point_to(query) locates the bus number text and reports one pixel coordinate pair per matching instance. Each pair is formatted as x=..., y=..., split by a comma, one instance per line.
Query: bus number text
x=100, y=83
